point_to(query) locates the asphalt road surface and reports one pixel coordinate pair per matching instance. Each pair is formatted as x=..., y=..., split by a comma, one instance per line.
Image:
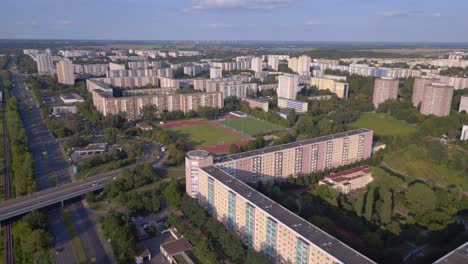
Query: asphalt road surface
x=51, y=163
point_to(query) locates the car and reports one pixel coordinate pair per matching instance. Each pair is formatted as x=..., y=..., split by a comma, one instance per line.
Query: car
x=114, y=178
x=94, y=184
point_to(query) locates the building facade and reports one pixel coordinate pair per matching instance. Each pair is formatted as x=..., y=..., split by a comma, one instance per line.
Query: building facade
x=65, y=73
x=288, y=86
x=384, y=89
x=44, y=63
x=216, y=73
x=257, y=103
x=463, y=104
x=263, y=224
x=338, y=87
x=349, y=180
x=298, y=106
x=436, y=99
x=418, y=89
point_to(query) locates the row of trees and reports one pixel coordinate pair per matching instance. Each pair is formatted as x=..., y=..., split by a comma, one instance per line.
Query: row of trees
x=208, y=229
x=31, y=239
x=120, y=232
x=130, y=179
x=22, y=163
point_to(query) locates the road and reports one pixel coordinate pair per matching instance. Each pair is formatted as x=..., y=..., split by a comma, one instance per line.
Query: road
x=54, y=166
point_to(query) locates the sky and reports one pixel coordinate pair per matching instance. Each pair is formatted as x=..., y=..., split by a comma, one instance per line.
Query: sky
x=276, y=20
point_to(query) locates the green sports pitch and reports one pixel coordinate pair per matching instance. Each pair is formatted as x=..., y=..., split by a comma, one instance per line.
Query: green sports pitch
x=251, y=126
x=203, y=135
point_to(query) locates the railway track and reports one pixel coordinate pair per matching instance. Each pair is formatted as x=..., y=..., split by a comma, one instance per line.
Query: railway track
x=8, y=236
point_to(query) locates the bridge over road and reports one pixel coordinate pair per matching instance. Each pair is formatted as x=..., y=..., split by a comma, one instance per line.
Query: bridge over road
x=24, y=204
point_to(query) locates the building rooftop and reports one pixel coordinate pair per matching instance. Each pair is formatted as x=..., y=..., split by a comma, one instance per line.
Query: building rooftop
x=293, y=145
x=362, y=169
x=199, y=153
x=71, y=96
x=306, y=230
x=176, y=246
x=459, y=255
x=258, y=100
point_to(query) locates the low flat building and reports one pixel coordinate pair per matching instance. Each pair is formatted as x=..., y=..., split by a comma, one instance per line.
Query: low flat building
x=144, y=126
x=64, y=109
x=299, y=106
x=173, y=248
x=320, y=97
x=257, y=103
x=349, y=180
x=70, y=98
x=93, y=148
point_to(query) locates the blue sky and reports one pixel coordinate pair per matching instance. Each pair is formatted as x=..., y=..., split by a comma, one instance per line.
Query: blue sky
x=284, y=20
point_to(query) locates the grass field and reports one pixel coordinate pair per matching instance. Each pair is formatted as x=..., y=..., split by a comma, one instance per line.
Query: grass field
x=384, y=124
x=251, y=126
x=203, y=135
x=413, y=161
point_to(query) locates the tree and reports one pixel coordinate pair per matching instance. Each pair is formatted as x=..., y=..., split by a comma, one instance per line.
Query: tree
x=420, y=198
x=233, y=148
x=291, y=117
x=369, y=208
x=383, y=206
x=36, y=220
x=173, y=194
x=110, y=135
x=149, y=113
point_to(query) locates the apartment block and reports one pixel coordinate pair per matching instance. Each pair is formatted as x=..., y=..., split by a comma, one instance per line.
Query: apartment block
x=216, y=73
x=44, y=62
x=194, y=160
x=436, y=99
x=65, y=73
x=263, y=224
x=418, y=89
x=107, y=104
x=256, y=64
x=288, y=86
x=463, y=104
x=138, y=64
x=299, y=106
x=211, y=85
x=240, y=90
x=257, y=103
x=116, y=66
x=303, y=65
x=384, y=89
x=338, y=87
x=273, y=63
x=292, y=64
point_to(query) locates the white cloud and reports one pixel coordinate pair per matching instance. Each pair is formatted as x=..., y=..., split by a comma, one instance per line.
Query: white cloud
x=436, y=14
x=313, y=23
x=63, y=22
x=218, y=25
x=394, y=13
x=237, y=4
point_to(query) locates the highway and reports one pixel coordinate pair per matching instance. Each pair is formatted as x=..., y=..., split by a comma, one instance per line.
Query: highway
x=54, y=166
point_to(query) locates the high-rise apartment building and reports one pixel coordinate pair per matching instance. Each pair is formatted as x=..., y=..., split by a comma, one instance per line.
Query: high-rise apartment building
x=194, y=160
x=216, y=72
x=288, y=86
x=44, y=62
x=292, y=64
x=384, y=89
x=256, y=64
x=303, y=65
x=437, y=99
x=263, y=224
x=338, y=87
x=418, y=89
x=116, y=66
x=463, y=104
x=273, y=63
x=65, y=71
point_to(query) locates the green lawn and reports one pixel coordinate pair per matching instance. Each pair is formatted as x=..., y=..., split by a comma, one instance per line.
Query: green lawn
x=413, y=161
x=203, y=135
x=251, y=126
x=384, y=124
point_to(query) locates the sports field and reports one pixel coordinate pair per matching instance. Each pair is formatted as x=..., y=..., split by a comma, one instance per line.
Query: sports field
x=384, y=124
x=251, y=126
x=207, y=135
